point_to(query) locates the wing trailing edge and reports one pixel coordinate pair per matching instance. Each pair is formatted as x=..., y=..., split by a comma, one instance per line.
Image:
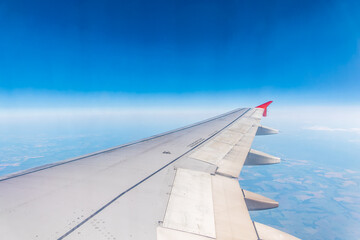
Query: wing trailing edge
x=266, y=232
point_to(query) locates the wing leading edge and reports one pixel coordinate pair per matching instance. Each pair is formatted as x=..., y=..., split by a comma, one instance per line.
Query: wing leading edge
x=178, y=185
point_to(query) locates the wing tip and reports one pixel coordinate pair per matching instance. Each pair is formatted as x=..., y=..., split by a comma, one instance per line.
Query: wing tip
x=264, y=106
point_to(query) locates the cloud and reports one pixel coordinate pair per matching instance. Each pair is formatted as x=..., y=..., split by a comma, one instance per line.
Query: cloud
x=310, y=195
x=288, y=180
x=3, y=165
x=349, y=183
x=334, y=175
x=329, y=129
x=310, y=230
x=350, y=171
x=27, y=157
x=345, y=199
x=295, y=162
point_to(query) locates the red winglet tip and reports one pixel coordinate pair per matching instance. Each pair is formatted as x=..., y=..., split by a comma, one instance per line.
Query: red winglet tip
x=264, y=106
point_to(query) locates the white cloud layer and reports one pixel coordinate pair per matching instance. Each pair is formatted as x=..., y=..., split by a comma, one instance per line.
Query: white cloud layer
x=329, y=129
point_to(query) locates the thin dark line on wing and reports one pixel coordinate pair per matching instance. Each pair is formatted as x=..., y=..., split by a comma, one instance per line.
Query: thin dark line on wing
x=143, y=180
x=257, y=234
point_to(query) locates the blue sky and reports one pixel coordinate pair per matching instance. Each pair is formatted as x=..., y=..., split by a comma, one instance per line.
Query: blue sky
x=290, y=49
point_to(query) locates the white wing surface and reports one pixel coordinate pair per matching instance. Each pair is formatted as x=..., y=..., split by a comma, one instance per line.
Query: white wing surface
x=182, y=184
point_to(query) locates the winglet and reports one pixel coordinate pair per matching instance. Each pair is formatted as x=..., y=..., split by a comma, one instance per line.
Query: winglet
x=264, y=106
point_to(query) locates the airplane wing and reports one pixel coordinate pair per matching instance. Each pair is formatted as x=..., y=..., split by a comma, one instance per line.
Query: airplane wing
x=181, y=184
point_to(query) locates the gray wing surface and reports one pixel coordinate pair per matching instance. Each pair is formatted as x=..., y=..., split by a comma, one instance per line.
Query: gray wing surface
x=178, y=185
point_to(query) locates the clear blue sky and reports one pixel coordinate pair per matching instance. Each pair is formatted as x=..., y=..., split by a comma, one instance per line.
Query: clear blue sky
x=181, y=47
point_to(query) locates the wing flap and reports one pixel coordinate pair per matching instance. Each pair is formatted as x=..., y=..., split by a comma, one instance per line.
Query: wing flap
x=229, y=149
x=171, y=234
x=190, y=207
x=212, y=152
x=268, y=233
x=211, y=206
x=232, y=218
x=232, y=163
